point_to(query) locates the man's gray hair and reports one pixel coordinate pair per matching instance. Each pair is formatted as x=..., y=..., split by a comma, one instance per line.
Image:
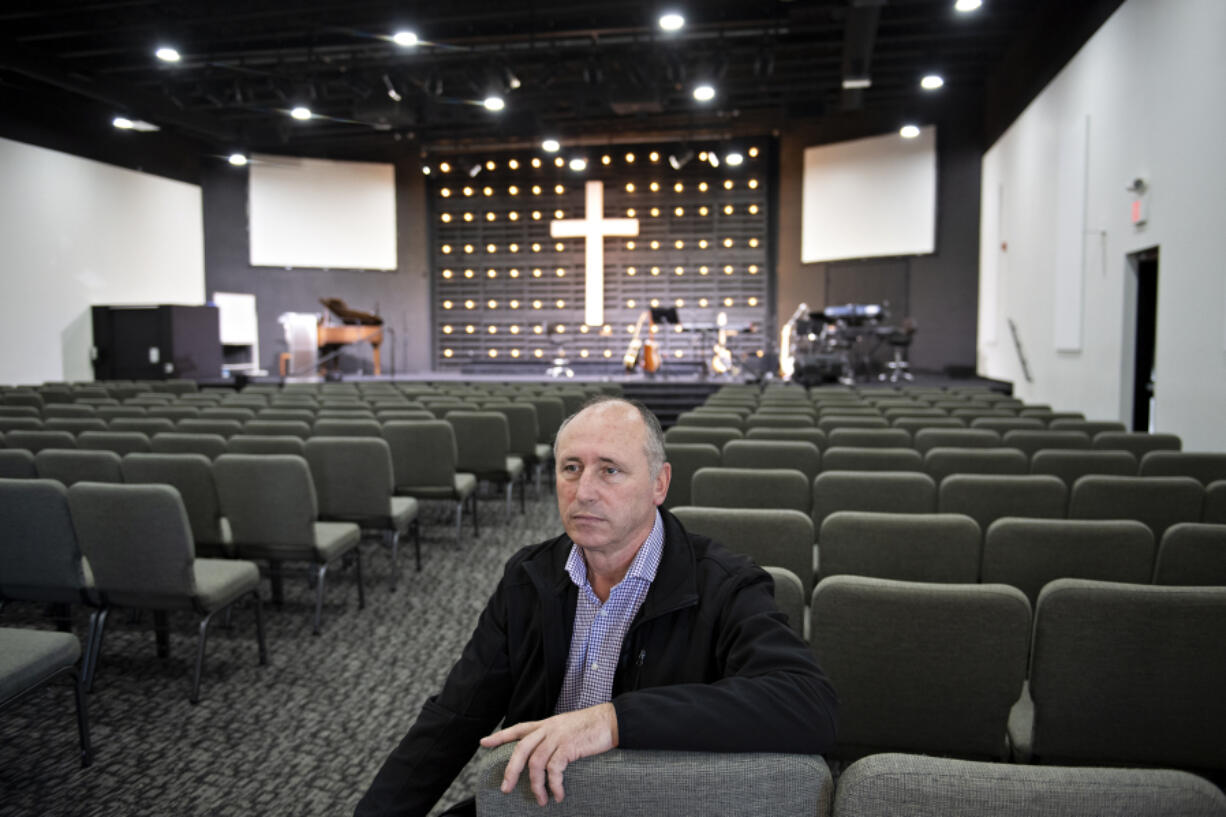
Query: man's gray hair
x=654, y=438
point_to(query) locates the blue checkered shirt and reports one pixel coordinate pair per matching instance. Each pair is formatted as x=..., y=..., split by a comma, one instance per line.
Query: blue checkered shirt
x=596, y=641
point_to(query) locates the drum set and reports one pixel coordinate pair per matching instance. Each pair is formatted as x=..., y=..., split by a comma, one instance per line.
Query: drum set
x=835, y=344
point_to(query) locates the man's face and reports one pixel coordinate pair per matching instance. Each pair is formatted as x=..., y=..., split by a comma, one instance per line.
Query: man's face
x=607, y=496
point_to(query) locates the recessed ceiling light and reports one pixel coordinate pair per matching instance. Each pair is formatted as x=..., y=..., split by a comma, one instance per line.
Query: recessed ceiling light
x=551, y=146
x=301, y=112
x=167, y=54
x=126, y=123
x=494, y=103
x=909, y=131
x=704, y=93
x=123, y=123
x=577, y=164
x=238, y=159
x=405, y=38
x=672, y=21
x=967, y=5
x=734, y=159
x=932, y=82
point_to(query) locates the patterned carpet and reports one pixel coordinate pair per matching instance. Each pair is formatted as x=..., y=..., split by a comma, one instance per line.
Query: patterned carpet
x=301, y=736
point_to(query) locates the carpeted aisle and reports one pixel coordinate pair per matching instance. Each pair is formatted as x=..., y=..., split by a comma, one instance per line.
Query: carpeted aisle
x=301, y=736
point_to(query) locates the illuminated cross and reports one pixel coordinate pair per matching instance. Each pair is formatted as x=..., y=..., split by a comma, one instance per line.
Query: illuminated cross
x=593, y=228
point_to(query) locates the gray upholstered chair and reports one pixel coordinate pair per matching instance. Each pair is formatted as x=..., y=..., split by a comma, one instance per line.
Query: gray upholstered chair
x=71, y=466
x=266, y=444
x=871, y=438
x=929, y=438
x=39, y=439
x=936, y=547
x=920, y=666
x=483, y=449
x=769, y=536
x=1202, y=465
x=1003, y=425
x=230, y=411
x=522, y=433
x=941, y=462
x=75, y=425
x=1028, y=441
x=790, y=597
x=884, y=491
x=17, y=463
x=685, y=459
x=192, y=476
x=139, y=545
x=1090, y=427
x=299, y=415
x=987, y=497
x=354, y=482
x=1071, y=465
x=1157, y=501
x=41, y=554
x=679, y=784
x=120, y=442
x=1128, y=674
x=841, y=458
x=387, y=415
x=174, y=442
x=275, y=428
x=709, y=418
x=804, y=435
x=149, y=426
x=1214, y=510
x=804, y=457
x=915, y=424
x=829, y=422
x=1139, y=443
x=1029, y=553
x=29, y=659
x=424, y=465
x=702, y=434
x=346, y=427
x=888, y=785
x=177, y=412
x=1192, y=553
x=751, y=488
x=269, y=501
x=779, y=419
x=214, y=425
x=20, y=424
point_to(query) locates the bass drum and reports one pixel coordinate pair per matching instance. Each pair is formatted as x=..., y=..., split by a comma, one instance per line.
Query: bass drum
x=817, y=358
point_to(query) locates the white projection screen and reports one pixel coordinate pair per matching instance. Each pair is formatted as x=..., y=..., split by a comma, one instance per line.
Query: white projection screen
x=870, y=198
x=320, y=213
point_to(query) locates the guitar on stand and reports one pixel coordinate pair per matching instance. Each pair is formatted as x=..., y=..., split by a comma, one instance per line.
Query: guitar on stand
x=721, y=359
x=643, y=351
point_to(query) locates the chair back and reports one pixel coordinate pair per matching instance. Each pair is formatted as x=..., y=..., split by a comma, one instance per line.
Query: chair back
x=801, y=456
x=804, y=435
x=149, y=426
x=138, y=542
x=1139, y=443
x=1150, y=660
x=209, y=425
x=41, y=555
x=1201, y=465
x=336, y=427
x=1072, y=465
x=423, y=452
x=920, y=666
x=841, y=458
x=75, y=425
x=1028, y=441
x=1214, y=510
x=1090, y=427
x=929, y=438
x=268, y=499
x=727, y=419
x=871, y=438
x=770, y=536
x=941, y=462
x=17, y=463
x=751, y=488
x=72, y=466
x=1029, y=553
x=884, y=491
x=483, y=440
x=1157, y=501
x=549, y=416
x=1192, y=553
x=174, y=442
x=685, y=459
x=36, y=440
x=121, y=442
x=192, y=476
x=987, y=497
x=276, y=428
x=716, y=436
x=790, y=597
x=522, y=428
x=935, y=547
x=352, y=475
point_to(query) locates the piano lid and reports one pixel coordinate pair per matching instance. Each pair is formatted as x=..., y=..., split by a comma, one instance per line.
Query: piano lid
x=348, y=315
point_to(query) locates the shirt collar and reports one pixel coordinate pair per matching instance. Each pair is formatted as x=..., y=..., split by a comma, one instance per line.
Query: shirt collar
x=642, y=568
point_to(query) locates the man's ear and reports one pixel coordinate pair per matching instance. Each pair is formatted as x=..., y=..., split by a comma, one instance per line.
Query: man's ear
x=660, y=488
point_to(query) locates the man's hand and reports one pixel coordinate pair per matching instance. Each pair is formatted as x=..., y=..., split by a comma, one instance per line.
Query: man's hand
x=546, y=747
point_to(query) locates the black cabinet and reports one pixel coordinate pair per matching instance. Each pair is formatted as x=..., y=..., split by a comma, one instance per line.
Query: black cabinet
x=156, y=342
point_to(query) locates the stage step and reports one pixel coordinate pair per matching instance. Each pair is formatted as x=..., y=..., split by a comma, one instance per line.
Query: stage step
x=668, y=399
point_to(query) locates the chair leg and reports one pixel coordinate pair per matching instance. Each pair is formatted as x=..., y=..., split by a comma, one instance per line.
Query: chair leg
x=100, y=628
x=161, y=630
x=92, y=639
x=395, y=542
x=259, y=626
x=78, y=688
x=204, y=632
x=319, y=596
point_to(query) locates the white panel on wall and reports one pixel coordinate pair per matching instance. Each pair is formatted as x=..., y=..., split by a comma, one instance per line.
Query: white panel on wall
x=76, y=233
x=870, y=198
x=992, y=265
x=1072, y=174
x=321, y=214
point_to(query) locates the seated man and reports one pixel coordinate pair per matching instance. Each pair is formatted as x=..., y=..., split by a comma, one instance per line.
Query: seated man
x=626, y=631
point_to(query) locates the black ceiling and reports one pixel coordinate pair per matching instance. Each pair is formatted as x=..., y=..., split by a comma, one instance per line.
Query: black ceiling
x=588, y=70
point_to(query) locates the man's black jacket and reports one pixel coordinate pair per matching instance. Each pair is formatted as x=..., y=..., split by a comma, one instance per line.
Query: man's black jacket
x=709, y=664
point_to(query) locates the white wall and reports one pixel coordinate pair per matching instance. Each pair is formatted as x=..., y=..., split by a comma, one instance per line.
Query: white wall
x=1148, y=88
x=75, y=232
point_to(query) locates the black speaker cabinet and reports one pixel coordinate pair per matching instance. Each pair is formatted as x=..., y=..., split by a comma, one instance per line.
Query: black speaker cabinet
x=156, y=342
